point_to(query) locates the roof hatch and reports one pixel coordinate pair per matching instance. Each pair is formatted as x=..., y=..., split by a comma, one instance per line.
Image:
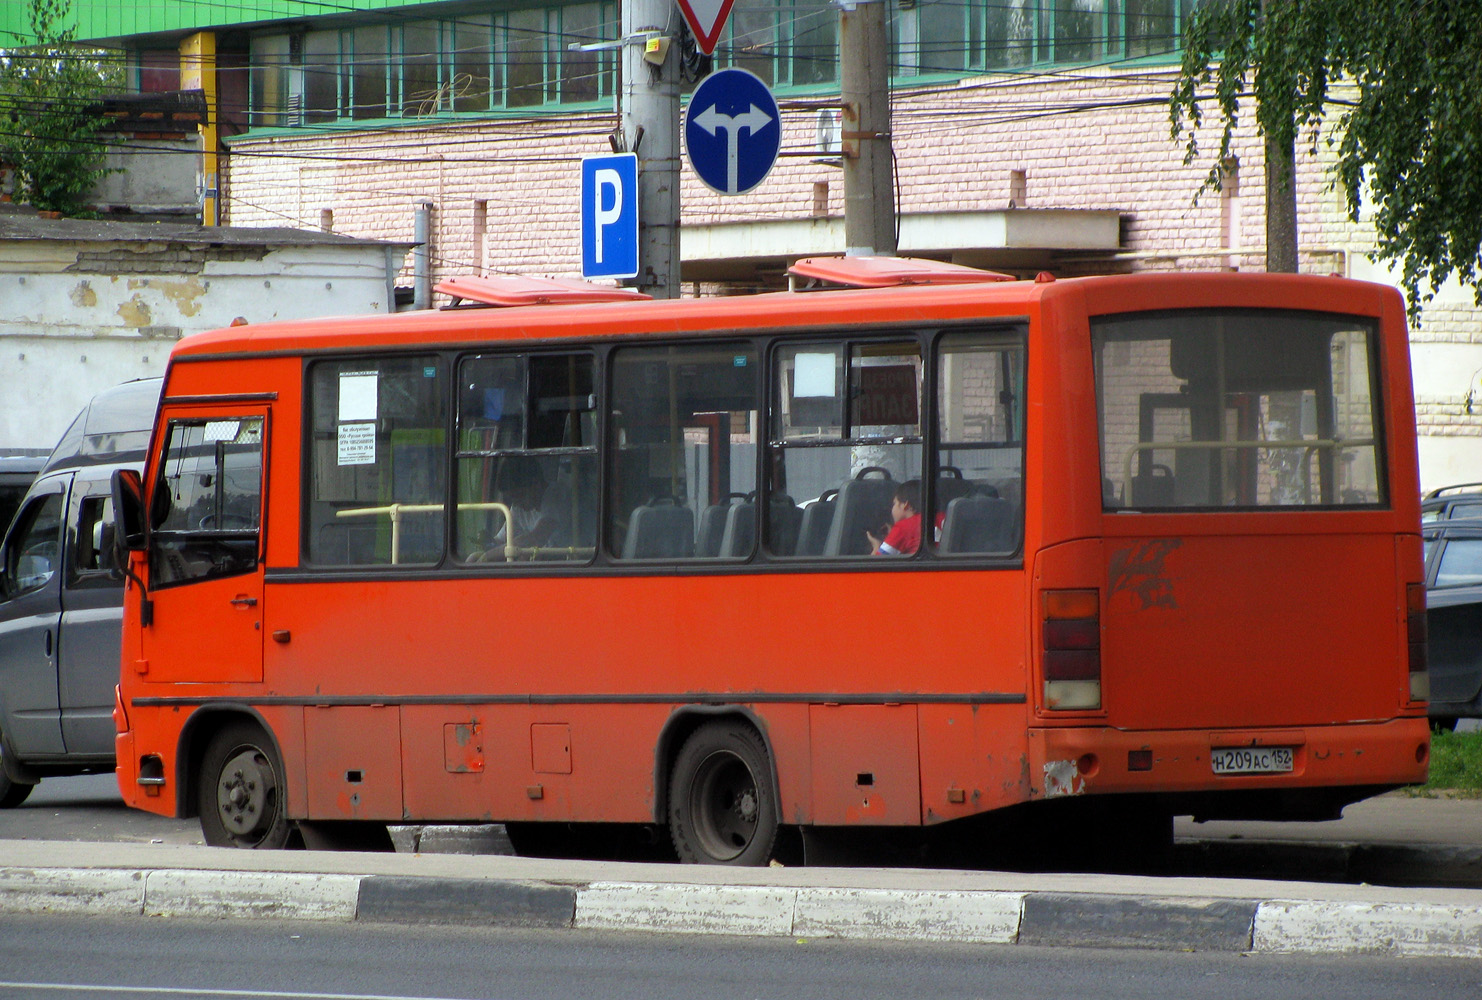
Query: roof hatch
x=883, y=272
x=519, y=290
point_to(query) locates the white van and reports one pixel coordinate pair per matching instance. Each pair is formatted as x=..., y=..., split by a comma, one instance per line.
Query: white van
x=61, y=601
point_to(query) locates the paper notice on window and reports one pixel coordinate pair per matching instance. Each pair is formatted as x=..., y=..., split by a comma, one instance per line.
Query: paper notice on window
x=357, y=444
x=358, y=394
x=221, y=430
x=814, y=375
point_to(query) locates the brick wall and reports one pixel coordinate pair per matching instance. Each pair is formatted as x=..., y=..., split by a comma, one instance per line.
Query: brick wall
x=956, y=149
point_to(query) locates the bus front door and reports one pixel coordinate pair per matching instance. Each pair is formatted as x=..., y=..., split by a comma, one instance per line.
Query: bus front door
x=205, y=550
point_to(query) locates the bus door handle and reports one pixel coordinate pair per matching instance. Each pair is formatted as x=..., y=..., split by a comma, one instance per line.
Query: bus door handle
x=48, y=642
x=243, y=601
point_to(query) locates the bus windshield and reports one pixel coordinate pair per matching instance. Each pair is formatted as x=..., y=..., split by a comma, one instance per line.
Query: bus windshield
x=1237, y=409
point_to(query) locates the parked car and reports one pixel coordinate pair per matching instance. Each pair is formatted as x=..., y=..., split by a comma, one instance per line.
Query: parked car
x=1461, y=500
x=61, y=602
x=1453, y=579
x=17, y=473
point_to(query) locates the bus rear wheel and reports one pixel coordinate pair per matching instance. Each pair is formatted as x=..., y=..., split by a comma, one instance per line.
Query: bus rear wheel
x=722, y=809
x=241, y=791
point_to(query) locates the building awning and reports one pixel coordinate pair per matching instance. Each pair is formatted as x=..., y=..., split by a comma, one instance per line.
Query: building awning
x=173, y=112
x=1022, y=241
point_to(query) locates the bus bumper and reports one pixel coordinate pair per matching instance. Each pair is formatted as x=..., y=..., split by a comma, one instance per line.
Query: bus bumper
x=141, y=782
x=1080, y=761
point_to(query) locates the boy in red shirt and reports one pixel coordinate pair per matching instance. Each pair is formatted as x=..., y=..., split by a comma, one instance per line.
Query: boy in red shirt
x=904, y=537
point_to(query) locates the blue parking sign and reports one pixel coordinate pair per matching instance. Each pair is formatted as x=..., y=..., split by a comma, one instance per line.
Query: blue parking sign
x=609, y=216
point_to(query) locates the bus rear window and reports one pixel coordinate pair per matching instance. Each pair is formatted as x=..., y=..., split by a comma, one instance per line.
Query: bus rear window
x=1237, y=409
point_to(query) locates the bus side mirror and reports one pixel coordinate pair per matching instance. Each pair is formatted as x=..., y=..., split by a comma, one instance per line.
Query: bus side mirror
x=128, y=514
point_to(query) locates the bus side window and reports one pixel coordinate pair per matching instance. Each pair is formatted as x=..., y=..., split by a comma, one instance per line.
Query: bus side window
x=527, y=459
x=845, y=435
x=685, y=432
x=378, y=462
x=979, y=443
x=211, y=475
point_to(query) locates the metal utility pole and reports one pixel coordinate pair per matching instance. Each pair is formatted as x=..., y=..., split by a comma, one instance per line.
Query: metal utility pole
x=422, y=256
x=649, y=105
x=869, y=174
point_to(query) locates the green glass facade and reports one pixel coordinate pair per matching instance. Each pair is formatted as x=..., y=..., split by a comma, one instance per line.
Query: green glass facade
x=102, y=20
x=354, y=62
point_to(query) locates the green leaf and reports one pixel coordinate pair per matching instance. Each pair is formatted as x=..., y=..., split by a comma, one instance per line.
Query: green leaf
x=1398, y=84
x=47, y=93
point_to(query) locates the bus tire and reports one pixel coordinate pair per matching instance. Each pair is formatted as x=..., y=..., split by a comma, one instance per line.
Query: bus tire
x=241, y=790
x=722, y=808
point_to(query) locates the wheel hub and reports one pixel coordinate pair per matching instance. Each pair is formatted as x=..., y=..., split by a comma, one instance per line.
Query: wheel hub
x=243, y=793
x=726, y=805
x=745, y=807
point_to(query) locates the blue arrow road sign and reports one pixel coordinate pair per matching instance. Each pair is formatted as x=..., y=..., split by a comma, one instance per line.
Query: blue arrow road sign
x=609, y=216
x=733, y=131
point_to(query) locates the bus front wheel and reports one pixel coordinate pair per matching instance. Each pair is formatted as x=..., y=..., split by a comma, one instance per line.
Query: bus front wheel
x=241, y=791
x=722, y=809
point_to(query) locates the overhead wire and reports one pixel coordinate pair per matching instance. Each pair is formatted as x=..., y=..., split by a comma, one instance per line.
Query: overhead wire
x=521, y=130
x=518, y=125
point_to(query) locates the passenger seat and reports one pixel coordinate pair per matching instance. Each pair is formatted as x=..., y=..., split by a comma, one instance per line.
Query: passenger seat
x=661, y=529
x=979, y=524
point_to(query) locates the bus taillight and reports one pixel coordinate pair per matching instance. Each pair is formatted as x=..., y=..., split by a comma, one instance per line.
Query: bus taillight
x=1417, y=632
x=1070, y=635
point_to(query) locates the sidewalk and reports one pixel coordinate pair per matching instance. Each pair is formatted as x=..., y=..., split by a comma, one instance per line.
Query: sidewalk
x=1392, y=839
x=1202, y=914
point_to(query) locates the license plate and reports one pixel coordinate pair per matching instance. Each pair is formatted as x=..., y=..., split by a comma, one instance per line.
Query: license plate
x=1251, y=760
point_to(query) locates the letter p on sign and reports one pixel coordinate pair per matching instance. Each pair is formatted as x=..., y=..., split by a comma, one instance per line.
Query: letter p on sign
x=607, y=180
x=609, y=216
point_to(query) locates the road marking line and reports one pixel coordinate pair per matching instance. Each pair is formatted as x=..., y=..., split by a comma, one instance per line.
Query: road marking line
x=198, y=992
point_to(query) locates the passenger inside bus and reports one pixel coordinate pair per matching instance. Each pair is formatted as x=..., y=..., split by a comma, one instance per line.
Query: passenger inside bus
x=538, y=510
x=903, y=537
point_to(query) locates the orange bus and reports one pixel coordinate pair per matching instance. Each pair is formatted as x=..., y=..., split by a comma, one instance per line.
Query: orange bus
x=885, y=556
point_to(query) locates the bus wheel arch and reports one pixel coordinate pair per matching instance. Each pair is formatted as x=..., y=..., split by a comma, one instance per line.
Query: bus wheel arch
x=679, y=727
x=722, y=802
x=232, y=777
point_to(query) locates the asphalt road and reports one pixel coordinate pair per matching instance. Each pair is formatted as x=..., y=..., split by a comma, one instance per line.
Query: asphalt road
x=90, y=808
x=41, y=957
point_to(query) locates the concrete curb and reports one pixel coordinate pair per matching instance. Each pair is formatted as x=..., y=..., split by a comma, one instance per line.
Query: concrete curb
x=481, y=902
x=1101, y=921
x=1030, y=918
